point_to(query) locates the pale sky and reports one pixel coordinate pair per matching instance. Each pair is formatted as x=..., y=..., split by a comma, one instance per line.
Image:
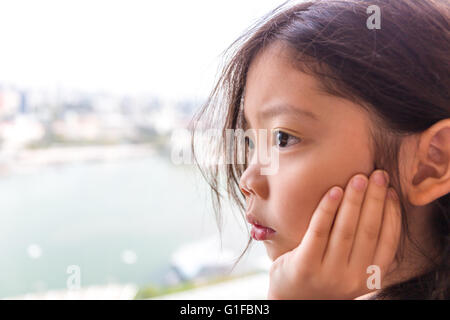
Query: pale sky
x=169, y=48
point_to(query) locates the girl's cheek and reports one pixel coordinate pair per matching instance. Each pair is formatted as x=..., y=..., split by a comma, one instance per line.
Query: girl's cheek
x=295, y=202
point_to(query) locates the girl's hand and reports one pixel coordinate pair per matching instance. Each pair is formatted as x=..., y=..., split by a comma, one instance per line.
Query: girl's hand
x=331, y=261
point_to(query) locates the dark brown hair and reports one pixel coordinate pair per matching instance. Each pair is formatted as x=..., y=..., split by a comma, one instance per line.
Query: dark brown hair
x=400, y=73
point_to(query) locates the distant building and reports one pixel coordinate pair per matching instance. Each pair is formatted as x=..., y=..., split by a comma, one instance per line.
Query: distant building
x=23, y=102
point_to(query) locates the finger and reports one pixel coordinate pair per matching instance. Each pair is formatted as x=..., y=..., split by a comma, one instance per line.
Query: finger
x=344, y=229
x=389, y=234
x=315, y=240
x=369, y=225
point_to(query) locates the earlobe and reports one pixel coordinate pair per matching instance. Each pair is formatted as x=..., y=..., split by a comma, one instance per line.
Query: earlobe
x=431, y=179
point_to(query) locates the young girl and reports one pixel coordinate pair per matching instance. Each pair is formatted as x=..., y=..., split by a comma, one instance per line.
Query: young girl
x=356, y=101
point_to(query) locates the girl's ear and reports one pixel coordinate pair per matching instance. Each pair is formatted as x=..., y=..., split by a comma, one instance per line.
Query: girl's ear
x=431, y=165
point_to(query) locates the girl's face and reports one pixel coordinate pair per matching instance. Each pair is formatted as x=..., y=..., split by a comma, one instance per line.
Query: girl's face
x=314, y=153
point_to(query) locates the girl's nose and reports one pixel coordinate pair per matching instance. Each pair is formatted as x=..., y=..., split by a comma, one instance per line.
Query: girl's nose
x=252, y=183
x=246, y=191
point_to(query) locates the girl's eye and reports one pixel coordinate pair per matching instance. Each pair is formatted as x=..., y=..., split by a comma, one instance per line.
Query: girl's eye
x=283, y=139
x=249, y=143
x=249, y=146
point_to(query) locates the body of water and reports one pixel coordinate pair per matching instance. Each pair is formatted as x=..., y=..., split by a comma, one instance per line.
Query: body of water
x=118, y=221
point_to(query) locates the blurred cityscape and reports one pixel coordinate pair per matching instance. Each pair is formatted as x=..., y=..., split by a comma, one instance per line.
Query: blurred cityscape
x=36, y=119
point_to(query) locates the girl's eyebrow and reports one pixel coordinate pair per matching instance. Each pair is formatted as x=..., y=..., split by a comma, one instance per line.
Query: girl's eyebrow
x=277, y=109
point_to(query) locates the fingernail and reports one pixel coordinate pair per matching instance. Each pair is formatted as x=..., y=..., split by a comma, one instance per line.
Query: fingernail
x=380, y=178
x=359, y=183
x=335, y=193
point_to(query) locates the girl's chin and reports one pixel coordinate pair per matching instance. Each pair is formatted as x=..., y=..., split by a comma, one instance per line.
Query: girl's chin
x=274, y=251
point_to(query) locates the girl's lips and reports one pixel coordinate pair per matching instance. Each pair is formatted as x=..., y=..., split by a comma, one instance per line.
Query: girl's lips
x=261, y=233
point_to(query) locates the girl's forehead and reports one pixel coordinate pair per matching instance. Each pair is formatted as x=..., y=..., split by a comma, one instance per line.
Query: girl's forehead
x=275, y=85
x=272, y=75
